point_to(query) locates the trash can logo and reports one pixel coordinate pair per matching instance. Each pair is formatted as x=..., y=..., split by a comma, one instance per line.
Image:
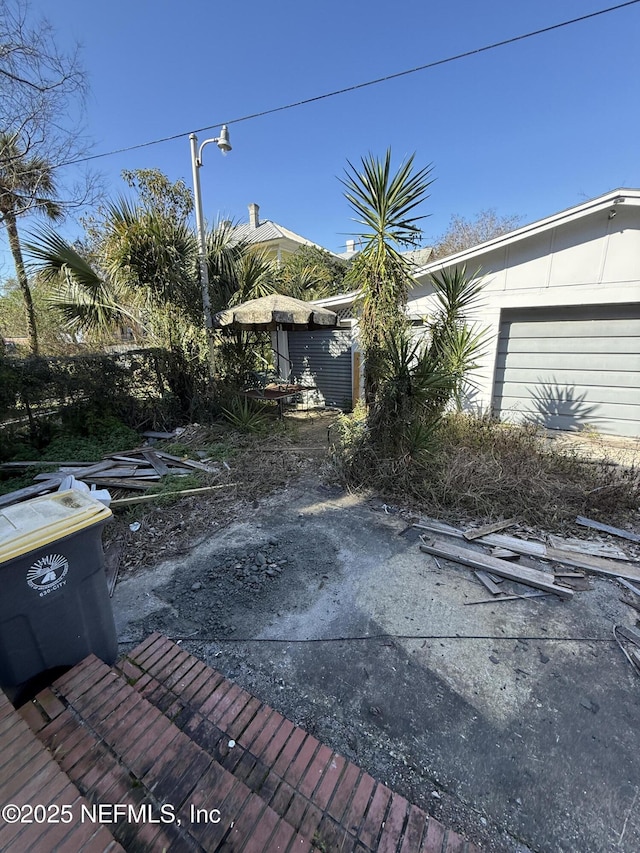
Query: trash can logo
x=48, y=573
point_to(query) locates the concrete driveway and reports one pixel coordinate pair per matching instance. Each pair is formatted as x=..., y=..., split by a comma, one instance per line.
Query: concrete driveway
x=515, y=722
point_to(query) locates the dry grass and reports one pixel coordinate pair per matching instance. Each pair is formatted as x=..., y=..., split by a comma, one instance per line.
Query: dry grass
x=484, y=469
x=257, y=465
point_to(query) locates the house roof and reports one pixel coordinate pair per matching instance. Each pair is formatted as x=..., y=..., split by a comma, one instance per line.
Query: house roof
x=258, y=231
x=602, y=202
x=268, y=231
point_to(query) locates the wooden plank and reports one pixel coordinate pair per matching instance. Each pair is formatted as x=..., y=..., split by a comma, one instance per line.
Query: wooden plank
x=153, y=434
x=504, y=554
x=123, y=483
x=156, y=463
x=598, y=565
x=476, y=532
x=183, y=493
x=502, y=597
x=588, y=546
x=490, y=584
x=96, y=467
x=30, y=491
x=112, y=557
x=606, y=528
x=631, y=604
x=476, y=560
x=188, y=463
x=42, y=462
x=628, y=585
x=521, y=546
x=629, y=634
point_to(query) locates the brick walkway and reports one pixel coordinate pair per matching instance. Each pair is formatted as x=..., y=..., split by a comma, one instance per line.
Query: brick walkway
x=161, y=729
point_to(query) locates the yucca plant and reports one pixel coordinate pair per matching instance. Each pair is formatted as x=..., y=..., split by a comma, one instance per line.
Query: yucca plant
x=385, y=206
x=244, y=416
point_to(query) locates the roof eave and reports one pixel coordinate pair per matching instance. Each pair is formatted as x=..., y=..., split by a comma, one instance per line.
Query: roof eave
x=626, y=196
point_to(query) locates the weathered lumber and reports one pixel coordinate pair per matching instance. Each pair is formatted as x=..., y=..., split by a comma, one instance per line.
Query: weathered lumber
x=521, y=546
x=155, y=496
x=503, y=597
x=154, y=434
x=476, y=532
x=120, y=483
x=606, y=528
x=629, y=634
x=477, y=560
x=588, y=546
x=187, y=463
x=631, y=587
x=487, y=581
x=504, y=554
x=156, y=463
x=598, y=565
x=9, y=466
x=112, y=557
x=30, y=491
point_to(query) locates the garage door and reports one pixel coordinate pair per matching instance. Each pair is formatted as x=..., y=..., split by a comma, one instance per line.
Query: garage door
x=323, y=360
x=571, y=368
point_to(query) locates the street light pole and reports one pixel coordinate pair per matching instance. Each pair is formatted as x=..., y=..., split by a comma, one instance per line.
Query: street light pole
x=224, y=145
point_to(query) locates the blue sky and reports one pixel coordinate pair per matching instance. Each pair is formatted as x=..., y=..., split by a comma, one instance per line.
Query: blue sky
x=528, y=129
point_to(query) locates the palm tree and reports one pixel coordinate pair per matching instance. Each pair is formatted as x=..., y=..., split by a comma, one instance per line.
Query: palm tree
x=385, y=205
x=26, y=184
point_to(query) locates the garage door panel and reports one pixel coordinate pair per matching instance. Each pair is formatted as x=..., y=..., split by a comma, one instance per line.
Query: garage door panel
x=571, y=368
x=576, y=329
x=601, y=362
x=591, y=378
x=595, y=394
x=629, y=345
x=570, y=405
x=604, y=425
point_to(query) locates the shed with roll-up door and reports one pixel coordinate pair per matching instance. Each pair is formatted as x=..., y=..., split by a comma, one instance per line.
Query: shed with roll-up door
x=323, y=359
x=570, y=368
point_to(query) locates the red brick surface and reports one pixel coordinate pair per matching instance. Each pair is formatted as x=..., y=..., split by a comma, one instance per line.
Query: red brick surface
x=160, y=725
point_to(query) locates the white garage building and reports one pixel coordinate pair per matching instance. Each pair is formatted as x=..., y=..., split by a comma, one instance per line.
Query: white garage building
x=562, y=305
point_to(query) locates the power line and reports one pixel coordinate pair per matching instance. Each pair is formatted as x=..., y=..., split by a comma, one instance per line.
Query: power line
x=358, y=86
x=195, y=638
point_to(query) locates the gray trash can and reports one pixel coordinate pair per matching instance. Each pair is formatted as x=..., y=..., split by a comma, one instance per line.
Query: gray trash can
x=54, y=601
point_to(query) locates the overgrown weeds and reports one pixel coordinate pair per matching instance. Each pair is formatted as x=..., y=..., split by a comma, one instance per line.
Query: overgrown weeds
x=479, y=467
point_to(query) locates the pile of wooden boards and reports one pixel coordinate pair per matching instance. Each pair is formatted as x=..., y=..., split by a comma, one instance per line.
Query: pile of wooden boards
x=600, y=558
x=136, y=470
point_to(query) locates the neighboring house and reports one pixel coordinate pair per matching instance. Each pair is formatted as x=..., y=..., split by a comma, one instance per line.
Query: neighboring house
x=276, y=240
x=562, y=308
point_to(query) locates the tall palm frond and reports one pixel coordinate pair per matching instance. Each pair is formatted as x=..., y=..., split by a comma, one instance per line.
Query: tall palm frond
x=224, y=254
x=26, y=184
x=254, y=276
x=84, y=298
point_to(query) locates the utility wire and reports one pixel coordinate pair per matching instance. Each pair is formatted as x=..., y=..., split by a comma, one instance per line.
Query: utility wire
x=358, y=86
x=196, y=639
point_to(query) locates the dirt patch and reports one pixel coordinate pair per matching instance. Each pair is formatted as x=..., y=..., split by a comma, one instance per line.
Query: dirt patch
x=516, y=722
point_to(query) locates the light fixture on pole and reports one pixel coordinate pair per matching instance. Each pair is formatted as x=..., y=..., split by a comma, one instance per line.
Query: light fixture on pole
x=224, y=145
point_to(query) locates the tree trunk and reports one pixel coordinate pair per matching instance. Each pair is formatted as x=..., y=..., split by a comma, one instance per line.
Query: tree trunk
x=16, y=251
